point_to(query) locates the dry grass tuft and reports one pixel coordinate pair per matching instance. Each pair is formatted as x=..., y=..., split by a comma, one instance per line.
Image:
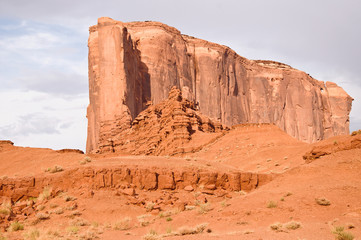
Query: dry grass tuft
x=272, y=204
x=54, y=169
x=185, y=230
x=144, y=220
x=323, y=201
x=68, y=198
x=152, y=235
x=42, y=216
x=32, y=234
x=73, y=229
x=204, y=208
x=341, y=234
x=276, y=227
x=15, y=226
x=79, y=222
x=292, y=225
x=123, y=224
x=45, y=194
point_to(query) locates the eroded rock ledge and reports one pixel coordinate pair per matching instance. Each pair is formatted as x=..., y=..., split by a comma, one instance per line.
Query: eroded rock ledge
x=124, y=177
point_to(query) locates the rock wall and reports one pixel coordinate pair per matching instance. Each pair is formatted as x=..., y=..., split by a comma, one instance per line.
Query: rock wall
x=132, y=64
x=123, y=177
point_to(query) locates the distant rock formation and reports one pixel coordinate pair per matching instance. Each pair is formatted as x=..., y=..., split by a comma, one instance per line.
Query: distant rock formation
x=133, y=64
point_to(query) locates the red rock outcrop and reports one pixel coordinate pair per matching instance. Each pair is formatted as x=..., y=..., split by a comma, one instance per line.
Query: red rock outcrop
x=122, y=177
x=162, y=129
x=332, y=145
x=131, y=64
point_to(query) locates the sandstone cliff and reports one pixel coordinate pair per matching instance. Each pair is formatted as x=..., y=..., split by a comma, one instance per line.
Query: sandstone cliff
x=132, y=64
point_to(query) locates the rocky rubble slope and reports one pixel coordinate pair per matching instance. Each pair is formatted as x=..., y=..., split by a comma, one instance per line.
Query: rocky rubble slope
x=163, y=129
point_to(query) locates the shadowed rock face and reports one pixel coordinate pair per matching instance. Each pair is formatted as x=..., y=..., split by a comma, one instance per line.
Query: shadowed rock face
x=131, y=64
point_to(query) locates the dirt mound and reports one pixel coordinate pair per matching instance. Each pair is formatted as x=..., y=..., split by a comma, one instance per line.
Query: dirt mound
x=256, y=148
x=167, y=128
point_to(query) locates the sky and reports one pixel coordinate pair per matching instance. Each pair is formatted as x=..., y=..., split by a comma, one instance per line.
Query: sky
x=43, y=52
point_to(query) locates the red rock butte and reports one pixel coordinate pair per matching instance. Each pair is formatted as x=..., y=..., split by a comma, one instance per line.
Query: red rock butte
x=135, y=65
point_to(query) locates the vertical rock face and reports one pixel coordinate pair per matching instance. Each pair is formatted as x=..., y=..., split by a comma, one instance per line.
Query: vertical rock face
x=132, y=64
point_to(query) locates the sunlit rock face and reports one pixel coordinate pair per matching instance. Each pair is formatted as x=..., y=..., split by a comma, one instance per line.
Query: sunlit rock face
x=132, y=65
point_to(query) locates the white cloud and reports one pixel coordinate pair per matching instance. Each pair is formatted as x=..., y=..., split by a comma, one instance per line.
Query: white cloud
x=43, y=120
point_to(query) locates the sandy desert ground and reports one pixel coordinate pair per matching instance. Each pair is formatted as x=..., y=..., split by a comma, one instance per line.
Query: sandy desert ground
x=254, y=182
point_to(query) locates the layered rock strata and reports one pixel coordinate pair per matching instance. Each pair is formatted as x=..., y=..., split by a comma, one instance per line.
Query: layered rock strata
x=123, y=177
x=132, y=64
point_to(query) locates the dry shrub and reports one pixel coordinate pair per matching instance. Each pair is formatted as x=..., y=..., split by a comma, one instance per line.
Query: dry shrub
x=276, y=227
x=45, y=194
x=54, y=169
x=123, y=224
x=204, y=208
x=79, y=222
x=42, y=216
x=292, y=225
x=15, y=226
x=341, y=234
x=185, y=230
x=272, y=204
x=323, y=201
x=32, y=234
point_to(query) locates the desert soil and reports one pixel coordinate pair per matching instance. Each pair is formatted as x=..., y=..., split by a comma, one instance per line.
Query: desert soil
x=305, y=199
